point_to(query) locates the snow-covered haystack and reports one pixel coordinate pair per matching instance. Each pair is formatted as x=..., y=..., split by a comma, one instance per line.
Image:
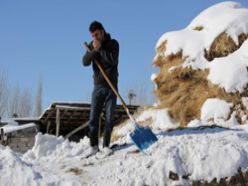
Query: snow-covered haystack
x=208, y=59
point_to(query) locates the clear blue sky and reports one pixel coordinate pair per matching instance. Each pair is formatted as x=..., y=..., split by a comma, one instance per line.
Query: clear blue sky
x=44, y=39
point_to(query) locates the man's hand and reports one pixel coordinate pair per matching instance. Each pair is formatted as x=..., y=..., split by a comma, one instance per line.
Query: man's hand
x=96, y=45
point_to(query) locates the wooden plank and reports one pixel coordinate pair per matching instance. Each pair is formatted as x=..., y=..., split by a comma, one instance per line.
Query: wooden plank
x=49, y=114
x=76, y=130
x=65, y=107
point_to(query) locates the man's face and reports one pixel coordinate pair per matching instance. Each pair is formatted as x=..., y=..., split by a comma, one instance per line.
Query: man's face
x=98, y=35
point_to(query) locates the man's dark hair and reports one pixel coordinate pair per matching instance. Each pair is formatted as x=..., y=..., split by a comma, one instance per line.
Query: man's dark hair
x=95, y=25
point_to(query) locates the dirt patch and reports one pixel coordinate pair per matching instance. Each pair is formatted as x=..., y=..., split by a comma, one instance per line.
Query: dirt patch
x=75, y=171
x=239, y=179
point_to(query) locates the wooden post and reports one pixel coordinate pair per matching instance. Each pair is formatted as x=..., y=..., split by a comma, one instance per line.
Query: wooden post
x=1, y=136
x=48, y=126
x=57, y=122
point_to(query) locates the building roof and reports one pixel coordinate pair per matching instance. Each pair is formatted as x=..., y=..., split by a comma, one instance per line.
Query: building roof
x=71, y=116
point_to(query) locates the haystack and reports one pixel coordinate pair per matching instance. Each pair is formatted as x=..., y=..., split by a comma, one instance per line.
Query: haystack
x=183, y=57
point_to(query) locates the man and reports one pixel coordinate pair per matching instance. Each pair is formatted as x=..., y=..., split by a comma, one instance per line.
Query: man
x=105, y=50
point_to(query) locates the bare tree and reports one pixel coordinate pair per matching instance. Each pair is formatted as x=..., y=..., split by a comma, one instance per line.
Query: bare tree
x=38, y=99
x=142, y=95
x=3, y=93
x=20, y=103
x=14, y=98
x=131, y=96
x=25, y=104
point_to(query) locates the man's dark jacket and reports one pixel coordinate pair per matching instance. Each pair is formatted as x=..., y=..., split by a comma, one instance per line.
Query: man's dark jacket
x=107, y=56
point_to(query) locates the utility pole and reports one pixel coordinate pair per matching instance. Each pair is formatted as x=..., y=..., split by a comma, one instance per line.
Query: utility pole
x=131, y=95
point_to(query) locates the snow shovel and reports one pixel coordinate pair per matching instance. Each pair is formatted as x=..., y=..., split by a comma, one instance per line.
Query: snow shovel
x=142, y=137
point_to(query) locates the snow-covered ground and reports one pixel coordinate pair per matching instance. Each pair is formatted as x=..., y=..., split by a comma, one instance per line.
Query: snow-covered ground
x=196, y=152
x=201, y=153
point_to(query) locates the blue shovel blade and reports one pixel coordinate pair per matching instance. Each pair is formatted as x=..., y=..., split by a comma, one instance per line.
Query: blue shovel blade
x=143, y=137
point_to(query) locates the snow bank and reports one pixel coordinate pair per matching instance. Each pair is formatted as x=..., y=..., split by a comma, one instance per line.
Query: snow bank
x=203, y=154
x=41, y=165
x=196, y=153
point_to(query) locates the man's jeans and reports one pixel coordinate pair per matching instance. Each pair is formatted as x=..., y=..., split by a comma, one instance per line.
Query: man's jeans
x=101, y=96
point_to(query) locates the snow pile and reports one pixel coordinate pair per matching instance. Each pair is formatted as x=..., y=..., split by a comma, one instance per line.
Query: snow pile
x=40, y=166
x=202, y=154
x=51, y=146
x=215, y=109
x=159, y=118
x=14, y=171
